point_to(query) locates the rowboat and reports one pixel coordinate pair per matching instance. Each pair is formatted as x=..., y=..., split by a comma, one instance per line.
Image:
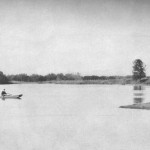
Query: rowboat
x=11, y=96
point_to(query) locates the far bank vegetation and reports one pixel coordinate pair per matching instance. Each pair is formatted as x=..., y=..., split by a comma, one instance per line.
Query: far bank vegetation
x=71, y=79
x=138, y=76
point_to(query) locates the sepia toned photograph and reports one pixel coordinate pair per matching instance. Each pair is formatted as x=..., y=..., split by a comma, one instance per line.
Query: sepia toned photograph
x=74, y=74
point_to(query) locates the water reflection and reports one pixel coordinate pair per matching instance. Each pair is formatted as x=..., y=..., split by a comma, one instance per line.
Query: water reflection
x=18, y=98
x=138, y=94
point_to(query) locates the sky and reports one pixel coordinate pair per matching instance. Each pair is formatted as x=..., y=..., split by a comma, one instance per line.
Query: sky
x=100, y=37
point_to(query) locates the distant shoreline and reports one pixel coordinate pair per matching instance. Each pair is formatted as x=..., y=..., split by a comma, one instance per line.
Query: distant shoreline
x=102, y=82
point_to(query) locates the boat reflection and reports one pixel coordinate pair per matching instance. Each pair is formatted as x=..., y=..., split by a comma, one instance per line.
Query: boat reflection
x=18, y=98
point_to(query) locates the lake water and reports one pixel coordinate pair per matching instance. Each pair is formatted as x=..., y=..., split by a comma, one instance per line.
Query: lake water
x=73, y=117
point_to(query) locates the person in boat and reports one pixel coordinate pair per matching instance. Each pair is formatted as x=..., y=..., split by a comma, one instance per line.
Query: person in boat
x=3, y=93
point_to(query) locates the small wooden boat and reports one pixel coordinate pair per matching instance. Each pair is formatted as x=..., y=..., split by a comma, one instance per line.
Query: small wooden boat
x=11, y=96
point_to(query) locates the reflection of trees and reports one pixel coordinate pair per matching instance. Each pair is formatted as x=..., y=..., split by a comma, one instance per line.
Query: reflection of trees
x=138, y=94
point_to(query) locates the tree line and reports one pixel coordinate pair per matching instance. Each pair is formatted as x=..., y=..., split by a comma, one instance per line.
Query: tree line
x=138, y=74
x=57, y=77
x=40, y=78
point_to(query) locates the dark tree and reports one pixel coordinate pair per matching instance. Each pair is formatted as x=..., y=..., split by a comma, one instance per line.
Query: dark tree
x=51, y=76
x=60, y=76
x=3, y=78
x=138, y=70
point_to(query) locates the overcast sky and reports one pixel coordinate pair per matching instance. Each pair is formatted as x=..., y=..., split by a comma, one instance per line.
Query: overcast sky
x=100, y=37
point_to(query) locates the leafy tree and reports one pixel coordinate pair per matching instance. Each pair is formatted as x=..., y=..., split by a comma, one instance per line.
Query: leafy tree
x=19, y=77
x=138, y=69
x=71, y=76
x=60, y=76
x=51, y=76
x=35, y=78
x=3, y=78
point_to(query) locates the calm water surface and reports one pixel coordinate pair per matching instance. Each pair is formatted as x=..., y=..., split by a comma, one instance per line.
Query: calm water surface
x=73, y=117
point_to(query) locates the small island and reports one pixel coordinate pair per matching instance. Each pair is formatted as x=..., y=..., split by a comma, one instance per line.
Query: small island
x=138, y=106
x=139, y=76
